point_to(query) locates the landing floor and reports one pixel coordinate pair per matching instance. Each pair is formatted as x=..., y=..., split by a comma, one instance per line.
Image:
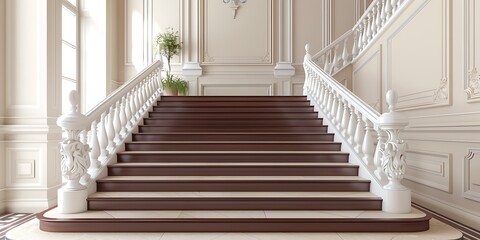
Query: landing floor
x=438, y=231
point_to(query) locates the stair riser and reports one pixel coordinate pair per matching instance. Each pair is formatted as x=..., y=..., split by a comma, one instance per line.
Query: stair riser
x=232, y=147
x=226, y=115
x=152, y=157
x=233, y=98
x=232, y=171
x=228, y=225
x=233, y=204
x=150, y=129
x=234, y=110
x=234, y=122
x=232, y=137
x=252, y=186
x=233, y=104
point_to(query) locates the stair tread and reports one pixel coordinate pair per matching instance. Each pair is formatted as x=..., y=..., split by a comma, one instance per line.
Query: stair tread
x=240, y=214
x=232, y=152
x=133, y=195
x=209, y=164
x=237, y=133
x=234, y=178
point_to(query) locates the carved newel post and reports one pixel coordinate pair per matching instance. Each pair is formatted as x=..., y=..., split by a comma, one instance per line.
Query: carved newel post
x=72, y=197
x=398, y=197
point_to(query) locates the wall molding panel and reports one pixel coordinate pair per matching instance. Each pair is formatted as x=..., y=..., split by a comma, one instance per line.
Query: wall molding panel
x=22, y=165
x=222, y=41
x=367, y=76
x=244, y=89
x=472, y=178
x=432, y=169
x=432, y=78
x=472, y=40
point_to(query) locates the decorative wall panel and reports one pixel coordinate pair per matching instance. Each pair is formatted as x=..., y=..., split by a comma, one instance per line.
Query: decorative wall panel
x=233, y=89
x=22, y=166
x=421, y=46
x=472, y=51
x=245, y=40
x=367, y=80
x=432, y=169
x=472, y=178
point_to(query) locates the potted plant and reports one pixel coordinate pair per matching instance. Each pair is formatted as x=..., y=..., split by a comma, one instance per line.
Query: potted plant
x=167, y=45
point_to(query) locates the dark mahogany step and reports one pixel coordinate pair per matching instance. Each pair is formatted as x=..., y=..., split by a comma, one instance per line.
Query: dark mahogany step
x=111, y=224
x=233, y=98
x=232, y=183
x=323, y=156
x=306, y=136
x=233, y=109
x=153, y=129
x=234, y=122
x=233, y=104
x=232, y=169
x=164, y=114
x=231, y=201
x=232, y=146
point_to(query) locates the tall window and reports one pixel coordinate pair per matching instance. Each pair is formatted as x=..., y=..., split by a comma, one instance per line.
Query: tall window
x=70, y=50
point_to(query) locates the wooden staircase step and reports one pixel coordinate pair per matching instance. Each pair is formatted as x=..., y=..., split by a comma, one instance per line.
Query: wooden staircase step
x=231, y=115
x=233, y=156
x=154, y=129
x=232, y=98
x=199, y=136
x=232, y=169
x=233, y=221
x=234, y=122
x=234, y=201
x=232, y=146
x=234, y=109
x=232, y=104
x=232, y=183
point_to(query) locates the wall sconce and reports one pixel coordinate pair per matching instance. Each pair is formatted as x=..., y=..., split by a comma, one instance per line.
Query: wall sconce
x=234, y=5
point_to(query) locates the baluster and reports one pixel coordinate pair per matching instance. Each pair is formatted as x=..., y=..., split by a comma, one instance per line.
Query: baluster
x=378, y=22
x=319, y=93
x=133, y=109
x=374, y=20
x=144, y=96
x=138, y=101
x=328, y=109
x=110, y=131
x=368, y=147
x=123, y=118
x=345, y=55
x=365, y=32
x=351, y=126
x=83, y=137
x=388, y=10
x=369, y=28
x=394, y=6
x=336, y=59
x=377, y=158
x=327, y=61
x=345, y=119
x=361, y=35
x=95, y=146
x=339, y=112
x=333, y=108
x=103, y=141
x=128, y=113
x=383, y=14
x=117, y=124
x=355, y=47
x=359, y=134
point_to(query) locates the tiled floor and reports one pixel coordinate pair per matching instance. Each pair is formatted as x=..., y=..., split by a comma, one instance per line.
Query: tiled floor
x=438, y=231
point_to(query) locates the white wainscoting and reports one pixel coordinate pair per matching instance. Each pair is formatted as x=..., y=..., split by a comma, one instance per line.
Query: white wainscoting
x=421, y=45
x=22, y=165
x=430, y=168
x=472, y=51
x=472, y=176
x=367, y=78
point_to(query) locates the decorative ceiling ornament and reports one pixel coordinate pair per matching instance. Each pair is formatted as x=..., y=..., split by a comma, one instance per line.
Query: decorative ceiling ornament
x=234, y=5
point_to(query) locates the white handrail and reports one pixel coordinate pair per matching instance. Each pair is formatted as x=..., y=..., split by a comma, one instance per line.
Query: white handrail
x=345, y=49
x=92, y=140
x=363, y=131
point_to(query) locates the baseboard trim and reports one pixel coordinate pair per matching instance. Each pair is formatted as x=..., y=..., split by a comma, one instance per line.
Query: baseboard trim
x=468, y=232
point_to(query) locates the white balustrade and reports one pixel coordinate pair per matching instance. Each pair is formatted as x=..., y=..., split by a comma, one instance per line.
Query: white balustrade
x=350, y=45
x=107, y=126
x=359, y=124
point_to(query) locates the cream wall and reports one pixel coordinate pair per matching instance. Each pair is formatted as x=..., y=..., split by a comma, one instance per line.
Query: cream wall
x=429, y=56
x=260, y=52
x=2, y=104
x=31, y=101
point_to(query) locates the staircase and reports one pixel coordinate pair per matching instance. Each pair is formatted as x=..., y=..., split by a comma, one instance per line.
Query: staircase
x=243, y=164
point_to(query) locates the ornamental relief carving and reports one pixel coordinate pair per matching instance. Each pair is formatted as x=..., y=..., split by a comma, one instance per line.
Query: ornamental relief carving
x=473, y=84
x=441, y=94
